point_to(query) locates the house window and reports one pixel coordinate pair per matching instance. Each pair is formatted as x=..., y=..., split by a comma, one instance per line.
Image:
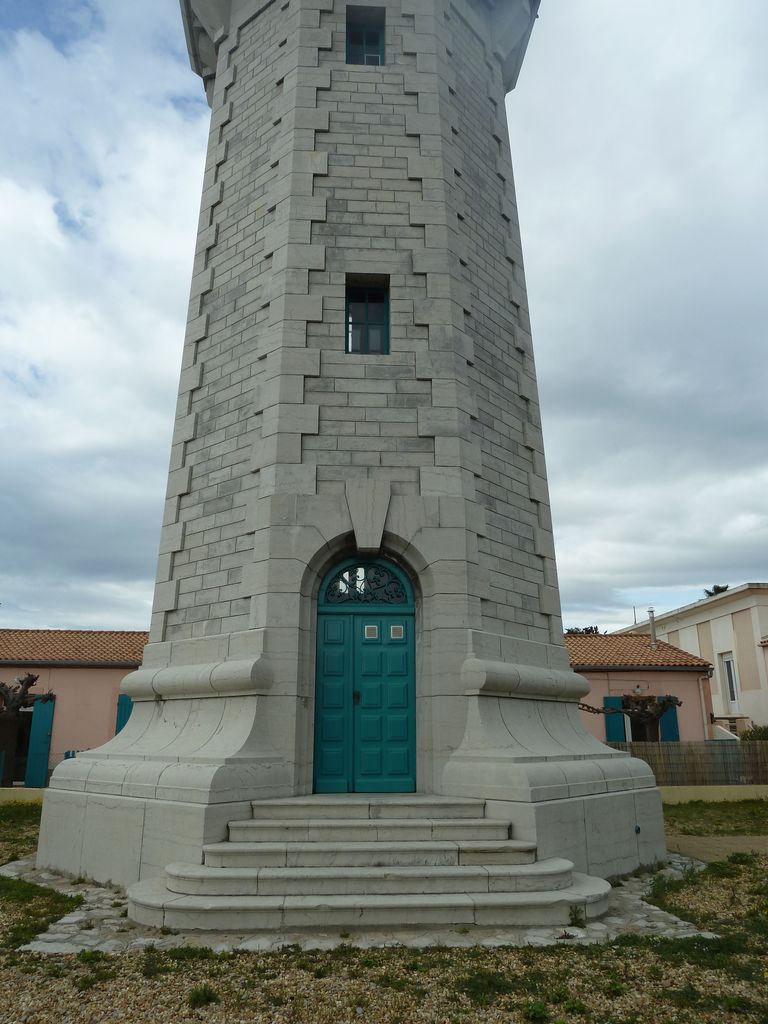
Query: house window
x=367, y=319
x=731, y=680
x=365, y=35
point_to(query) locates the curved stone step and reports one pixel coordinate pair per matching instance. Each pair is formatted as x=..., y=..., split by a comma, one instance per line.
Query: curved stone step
x=381, y=854
x=201, y=880
x=339, y=830
x=368, y=805
x=151, y=903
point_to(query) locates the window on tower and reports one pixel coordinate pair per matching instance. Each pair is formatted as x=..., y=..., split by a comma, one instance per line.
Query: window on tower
x=367, y=316
x=365, y=35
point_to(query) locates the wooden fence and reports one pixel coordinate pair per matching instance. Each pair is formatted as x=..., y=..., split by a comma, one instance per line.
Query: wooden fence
x=715, y=763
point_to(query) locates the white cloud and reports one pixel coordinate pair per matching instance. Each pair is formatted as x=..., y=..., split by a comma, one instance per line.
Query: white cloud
x=640, y=145
x=639, y=140
x=101, y=175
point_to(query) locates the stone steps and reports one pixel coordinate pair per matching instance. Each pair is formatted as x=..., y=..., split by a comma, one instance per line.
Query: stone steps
x=386, y=805
x=151, y=903
x=348, y=830
x=373, y=854
x=201, y=880
x=387, y=863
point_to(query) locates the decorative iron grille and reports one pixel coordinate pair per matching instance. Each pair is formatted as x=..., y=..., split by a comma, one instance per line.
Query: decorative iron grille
x=366, y=584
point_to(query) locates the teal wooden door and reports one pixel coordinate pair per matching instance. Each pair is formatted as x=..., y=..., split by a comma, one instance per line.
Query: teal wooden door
x=365, y=714
x=39, y=750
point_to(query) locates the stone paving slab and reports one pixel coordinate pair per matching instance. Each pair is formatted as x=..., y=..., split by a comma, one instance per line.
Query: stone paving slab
x=100, y=923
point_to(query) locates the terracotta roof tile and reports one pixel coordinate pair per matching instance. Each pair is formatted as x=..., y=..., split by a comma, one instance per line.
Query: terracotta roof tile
x=73, y=646
x=626, y=650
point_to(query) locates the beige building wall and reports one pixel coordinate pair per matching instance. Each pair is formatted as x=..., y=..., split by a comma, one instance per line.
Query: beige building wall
x=732, y=623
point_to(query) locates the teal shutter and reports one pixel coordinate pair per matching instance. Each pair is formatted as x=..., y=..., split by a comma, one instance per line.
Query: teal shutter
x=669, y=731
x=124, y=708
x=614, y=724
x=36, y=774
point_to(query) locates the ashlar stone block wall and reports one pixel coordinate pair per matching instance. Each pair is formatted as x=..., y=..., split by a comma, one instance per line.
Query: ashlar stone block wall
x=316, y=170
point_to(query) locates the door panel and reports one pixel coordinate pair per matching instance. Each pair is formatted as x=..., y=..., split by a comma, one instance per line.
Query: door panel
x=365, y=703
x=385, y=682
x=333, y=700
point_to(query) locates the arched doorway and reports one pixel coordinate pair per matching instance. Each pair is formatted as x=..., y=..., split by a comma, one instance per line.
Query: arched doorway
x=365, y=688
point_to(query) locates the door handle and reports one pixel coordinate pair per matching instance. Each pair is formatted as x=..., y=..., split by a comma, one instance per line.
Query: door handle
x=355, y=696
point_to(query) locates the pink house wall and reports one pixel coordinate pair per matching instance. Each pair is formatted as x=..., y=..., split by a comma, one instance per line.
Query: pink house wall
x=692, y=717
x=86, y=703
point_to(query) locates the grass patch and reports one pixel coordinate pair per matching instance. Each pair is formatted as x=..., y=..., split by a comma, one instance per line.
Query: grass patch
x=19, y=827
x=724, y=818
x=400, y=983
x=485, y=987
x=27, y=909
x=725, y=897
x=182, y=954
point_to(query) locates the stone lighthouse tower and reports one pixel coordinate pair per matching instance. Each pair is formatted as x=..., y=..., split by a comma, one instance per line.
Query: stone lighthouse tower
x=356, y=612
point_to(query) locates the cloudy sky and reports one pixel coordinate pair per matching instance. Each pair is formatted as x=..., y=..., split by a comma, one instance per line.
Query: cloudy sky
x=640, y=140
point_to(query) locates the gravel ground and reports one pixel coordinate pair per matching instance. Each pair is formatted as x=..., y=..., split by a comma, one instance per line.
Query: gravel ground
x=638, y=980
x=385, y=987
x=665, y=972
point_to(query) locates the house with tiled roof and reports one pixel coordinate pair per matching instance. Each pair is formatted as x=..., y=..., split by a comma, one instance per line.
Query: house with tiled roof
x=730, y=630
x=634, y=664
x=83, y=669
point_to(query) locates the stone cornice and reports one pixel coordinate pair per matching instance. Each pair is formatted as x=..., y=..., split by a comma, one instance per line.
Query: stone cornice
x=512, y=22
x=206, y=21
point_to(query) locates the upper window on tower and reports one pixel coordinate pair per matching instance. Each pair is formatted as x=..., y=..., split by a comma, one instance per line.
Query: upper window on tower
x=367, y=316
x=365, y=35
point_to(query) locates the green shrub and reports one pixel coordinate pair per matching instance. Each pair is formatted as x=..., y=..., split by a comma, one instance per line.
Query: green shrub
x=757, y=732
x=203, y=995
x=152, y=964
x=534, y=1013
x=742, y=858
x=576, y=917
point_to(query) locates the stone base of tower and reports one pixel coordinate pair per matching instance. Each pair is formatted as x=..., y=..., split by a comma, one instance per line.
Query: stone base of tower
x=605, y=834
x=117, y=840
x=182, y=769
x=200, y=744
x=526, y=752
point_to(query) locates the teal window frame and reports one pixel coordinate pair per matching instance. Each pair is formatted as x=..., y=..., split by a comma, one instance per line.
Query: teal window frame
x=366, y=296
x=369, y=25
